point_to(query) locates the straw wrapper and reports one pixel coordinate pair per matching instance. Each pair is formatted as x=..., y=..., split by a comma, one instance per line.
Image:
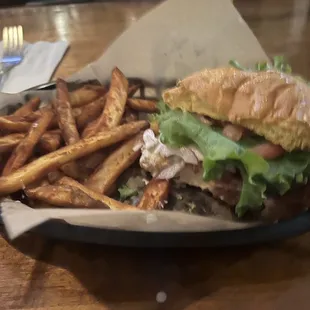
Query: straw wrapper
x=175, y=39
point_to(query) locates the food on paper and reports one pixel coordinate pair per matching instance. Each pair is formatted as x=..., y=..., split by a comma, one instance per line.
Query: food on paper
x=231, y=142
x=114, y=165
x=241, y=134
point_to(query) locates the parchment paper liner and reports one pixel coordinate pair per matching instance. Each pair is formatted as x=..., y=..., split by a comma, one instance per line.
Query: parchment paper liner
x=175, y=39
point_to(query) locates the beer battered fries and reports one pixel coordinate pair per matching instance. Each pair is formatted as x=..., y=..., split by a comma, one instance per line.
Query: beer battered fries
x=86, y=95
x=117, y=162
x=24, y=149
x=52, y=161
x=66, y=122
x=64, y=113
x=14, y=124
x=109, y=202
x=89, y=112
x=143, y=105
x=28, y=107
x=64, y=196
x=114, y=106
x=72, y=151
x=155, y=195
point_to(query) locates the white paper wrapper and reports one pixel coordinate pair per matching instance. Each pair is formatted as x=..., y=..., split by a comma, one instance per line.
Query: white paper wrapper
x=175, y=39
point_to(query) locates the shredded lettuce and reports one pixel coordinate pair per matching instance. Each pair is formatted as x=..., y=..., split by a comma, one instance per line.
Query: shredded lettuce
x=126, y=192
x=279, y=63
x=259, y=176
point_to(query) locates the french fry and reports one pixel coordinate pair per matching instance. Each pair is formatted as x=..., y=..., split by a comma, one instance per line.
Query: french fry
x=31, y=117
x=111, y=203
x=155, y=195
x=28, y=107
x=7, y=143
x=142, y=105
x=88, y=164
x=66, y=123
x=64, y=196
x=49, y=107
x=50, y=141
x=71, y=169
x=54, y=176
x=132, y=89
x=64, y=114
x=115, y=164
x=14, y=124
x=38, y=183
x=86, y=94
x=23, y=150
x=129, y=116
x=52, y=161
x=89, y=112
x=113, y=111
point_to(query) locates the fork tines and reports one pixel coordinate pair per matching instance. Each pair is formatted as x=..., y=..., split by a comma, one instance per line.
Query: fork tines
x=13, y=41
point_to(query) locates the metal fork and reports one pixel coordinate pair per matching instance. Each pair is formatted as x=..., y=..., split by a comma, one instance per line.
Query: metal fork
x=13, y=41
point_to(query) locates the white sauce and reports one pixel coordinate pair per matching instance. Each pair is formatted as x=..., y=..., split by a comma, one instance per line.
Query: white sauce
x=165, y=162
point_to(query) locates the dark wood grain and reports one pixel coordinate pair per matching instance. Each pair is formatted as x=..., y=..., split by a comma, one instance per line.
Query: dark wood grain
x=46, y=274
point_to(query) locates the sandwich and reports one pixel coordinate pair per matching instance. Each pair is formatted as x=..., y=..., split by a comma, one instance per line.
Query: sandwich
x=242, y=135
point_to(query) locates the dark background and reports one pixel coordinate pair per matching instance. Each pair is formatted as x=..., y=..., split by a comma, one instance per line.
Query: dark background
x=11, y=3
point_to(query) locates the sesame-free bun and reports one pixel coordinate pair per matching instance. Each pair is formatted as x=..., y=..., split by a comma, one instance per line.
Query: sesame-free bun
x=272, y=104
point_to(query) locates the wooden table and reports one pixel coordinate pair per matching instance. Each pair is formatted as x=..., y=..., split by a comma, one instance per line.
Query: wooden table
x=43, y=274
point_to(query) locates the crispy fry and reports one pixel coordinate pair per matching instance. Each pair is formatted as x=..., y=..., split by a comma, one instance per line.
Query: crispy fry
x=38, y=183
x=88, y=164
x=52, y=161
x=66, y=123
x=111, y=203
x=50, y=141
x=132, y=89
x=113, y=111
x=7, y=143
x=86, y=94
x=155, y=195
x=19, y=123
x=71, y=169
x=64, y=114
x=14, y=124
x=90, y=112
x=99, y=88
x=24, y=149
x=129, y=116
x=28, y=107
x=54, y=176
x=115, y=164
x=33, y=116
x=142, y=105
x=64, y=196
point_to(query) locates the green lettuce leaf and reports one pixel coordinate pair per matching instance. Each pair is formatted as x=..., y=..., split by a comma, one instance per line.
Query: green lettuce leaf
x=259, y=176
x=279, y=63
x=126, y=192
x=288, y=169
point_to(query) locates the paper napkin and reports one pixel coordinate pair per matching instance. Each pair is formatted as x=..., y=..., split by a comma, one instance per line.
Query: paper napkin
x=39, y=63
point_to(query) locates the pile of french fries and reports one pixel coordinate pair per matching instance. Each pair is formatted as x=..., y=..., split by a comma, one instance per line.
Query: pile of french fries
x=71, y=151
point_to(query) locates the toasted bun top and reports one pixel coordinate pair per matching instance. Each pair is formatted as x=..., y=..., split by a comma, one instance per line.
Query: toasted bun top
x=272, y=104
